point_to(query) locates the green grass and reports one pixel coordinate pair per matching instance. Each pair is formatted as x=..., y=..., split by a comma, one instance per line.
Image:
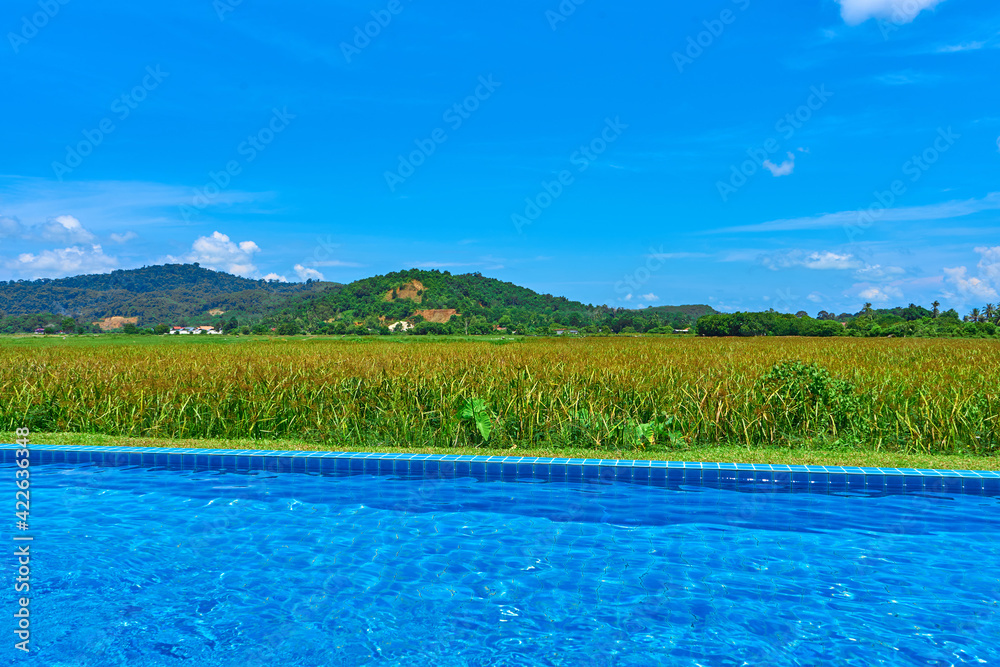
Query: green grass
x=813, y=454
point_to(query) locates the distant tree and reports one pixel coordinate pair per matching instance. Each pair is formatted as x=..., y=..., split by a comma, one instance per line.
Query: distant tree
x=867, y=311
x=130, y=329
x=288, y=329
x=801, y=314
x=936, y=305
x=161, y=329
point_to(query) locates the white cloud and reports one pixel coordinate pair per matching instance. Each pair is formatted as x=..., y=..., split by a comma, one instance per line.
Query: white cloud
x=124, y=238
x=65, y=229
x=881, y=294
x=897, y=11
x=306, y=273
x=217, y=252
x=649, y=297
x=783, y=169
x=819, y=261
x=816, y=297
x=274, y=276
x=830, y=260
x=627, y=297
x=983, y=286
x=72, y=261
x=61, y=229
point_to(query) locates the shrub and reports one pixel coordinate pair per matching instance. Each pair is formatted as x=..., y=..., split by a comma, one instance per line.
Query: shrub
x=805, y=398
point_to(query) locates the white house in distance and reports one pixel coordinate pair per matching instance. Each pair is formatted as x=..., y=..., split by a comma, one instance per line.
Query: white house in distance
x=401, y=325
x=194, y=331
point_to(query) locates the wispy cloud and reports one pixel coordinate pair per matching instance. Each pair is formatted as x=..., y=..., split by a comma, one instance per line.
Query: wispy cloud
x=677, y=255
x=817, y=261
x=972, y=45
x=334, y=262
x=105, y=204
x=943, y=211
x=907, y=77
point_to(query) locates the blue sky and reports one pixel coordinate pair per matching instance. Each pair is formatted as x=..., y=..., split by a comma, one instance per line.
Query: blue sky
x=814, y=154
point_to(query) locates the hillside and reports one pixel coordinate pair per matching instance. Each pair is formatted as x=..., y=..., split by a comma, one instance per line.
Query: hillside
x=171, y=293
x=439, y=302
x=427, y=301
x=694, y=311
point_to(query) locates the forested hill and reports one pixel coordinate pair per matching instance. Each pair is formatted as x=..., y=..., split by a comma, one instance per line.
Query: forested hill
x=693, y=311
x=439, y=302
x=431, y=301
x=170, y=293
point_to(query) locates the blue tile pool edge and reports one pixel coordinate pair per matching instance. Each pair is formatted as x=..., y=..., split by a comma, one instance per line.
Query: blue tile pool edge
x=740, y=476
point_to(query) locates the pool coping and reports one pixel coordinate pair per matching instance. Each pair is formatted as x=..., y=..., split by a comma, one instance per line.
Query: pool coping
x=725, y=475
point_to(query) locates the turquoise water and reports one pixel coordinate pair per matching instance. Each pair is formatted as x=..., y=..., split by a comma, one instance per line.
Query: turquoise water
x=138, y=567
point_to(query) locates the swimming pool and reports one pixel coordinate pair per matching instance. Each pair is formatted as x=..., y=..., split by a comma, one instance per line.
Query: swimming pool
x=236, y=563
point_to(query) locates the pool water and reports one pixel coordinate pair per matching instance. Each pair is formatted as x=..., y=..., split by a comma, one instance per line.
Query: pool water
x=136, y=566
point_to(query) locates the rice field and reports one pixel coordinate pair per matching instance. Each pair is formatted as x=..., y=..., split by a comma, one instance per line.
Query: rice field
x=600, y=394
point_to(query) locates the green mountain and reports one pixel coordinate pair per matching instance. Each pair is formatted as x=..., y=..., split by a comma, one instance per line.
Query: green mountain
x=693, y=311
x=170, y=294
x=439, y=302
x=430, y=301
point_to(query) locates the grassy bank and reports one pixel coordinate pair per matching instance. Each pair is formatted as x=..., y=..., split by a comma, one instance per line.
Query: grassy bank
x=804, y=455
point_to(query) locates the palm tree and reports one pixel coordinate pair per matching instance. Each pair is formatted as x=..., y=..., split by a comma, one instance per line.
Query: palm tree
x=867, y=310
x=936, y=305
x=990, y=312
x=975, y=316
